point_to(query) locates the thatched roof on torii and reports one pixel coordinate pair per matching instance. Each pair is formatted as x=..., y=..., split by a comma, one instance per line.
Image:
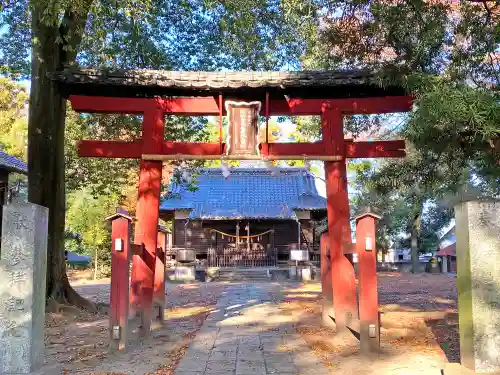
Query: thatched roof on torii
x=148, y=83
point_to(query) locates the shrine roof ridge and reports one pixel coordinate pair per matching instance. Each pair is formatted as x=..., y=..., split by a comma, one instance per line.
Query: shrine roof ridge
x=197, y=83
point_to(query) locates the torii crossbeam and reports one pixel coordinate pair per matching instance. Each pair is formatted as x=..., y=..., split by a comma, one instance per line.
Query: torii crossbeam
x=204, y=94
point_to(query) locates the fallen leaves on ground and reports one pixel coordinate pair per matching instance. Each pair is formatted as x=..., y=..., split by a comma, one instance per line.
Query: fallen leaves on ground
x=79, y=342
x=416, y=320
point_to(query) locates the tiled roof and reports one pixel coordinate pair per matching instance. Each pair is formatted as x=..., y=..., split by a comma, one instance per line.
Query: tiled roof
x=247, y=193
x=12, y=164
x=212, y=80
x=144, y=82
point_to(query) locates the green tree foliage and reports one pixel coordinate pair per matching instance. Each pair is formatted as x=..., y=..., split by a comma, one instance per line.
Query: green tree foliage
x=409, y=207
x=13, y=124
x=85, y=216
x=169, y=34
x=102, y=176
x=446, y=55
x=458, y=125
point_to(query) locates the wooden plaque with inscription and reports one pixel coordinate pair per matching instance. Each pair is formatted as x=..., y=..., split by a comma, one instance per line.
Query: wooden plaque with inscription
x=243, y=129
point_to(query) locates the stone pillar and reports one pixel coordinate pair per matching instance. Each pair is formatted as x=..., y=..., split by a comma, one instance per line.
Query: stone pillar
x=478, y=280
x=22, y=290
x=444, y=264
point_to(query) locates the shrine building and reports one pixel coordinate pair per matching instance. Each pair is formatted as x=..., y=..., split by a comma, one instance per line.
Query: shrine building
x=254, y=217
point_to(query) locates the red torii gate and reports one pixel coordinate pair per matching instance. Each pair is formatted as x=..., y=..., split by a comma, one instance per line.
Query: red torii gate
x=204, y=94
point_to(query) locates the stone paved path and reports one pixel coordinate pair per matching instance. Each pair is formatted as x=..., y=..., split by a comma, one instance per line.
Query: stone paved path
x=247, y=335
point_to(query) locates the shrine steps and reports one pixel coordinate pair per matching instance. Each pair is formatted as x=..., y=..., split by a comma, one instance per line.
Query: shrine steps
x=244, y=274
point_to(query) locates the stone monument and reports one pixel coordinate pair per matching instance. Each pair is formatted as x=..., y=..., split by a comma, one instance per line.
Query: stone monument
x=22, y=290
x=478, y=283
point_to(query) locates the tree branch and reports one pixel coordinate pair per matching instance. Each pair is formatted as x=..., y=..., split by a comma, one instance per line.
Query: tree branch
x=71, y=31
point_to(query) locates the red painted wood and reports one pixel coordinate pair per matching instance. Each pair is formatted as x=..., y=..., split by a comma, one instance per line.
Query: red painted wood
x=283, y=149
x=134, y=295
x=367, y=279
x=349, y=106
x=200, y=106
x=159, y=285
x=103, y=104
x=208, y=106
x=375, y=149
x=343, y=278
x=332, y=131
x=147, y=214
x=326, y=274
x=119, y=296
x=121, y=149
x=110, y=149
x=153, y=130
x=191, y=148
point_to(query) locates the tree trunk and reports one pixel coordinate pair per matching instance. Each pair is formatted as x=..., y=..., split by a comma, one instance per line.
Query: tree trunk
x=414, y=246
x=95, y=265
x=47, y=111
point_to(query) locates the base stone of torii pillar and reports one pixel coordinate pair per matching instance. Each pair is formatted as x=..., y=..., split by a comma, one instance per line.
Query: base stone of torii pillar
x=478, y=283
x=23, y=266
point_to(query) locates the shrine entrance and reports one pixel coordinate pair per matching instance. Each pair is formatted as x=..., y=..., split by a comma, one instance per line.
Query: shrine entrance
x=242, y=250
x=243, y=97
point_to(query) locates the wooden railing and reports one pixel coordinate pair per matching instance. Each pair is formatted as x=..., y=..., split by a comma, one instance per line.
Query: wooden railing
x=231, y=257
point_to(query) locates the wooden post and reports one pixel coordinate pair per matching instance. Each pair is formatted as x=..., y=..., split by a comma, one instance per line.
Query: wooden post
x=367, y=277
x=119, y=296
x=343, y=278
x=146, y=230
x=159, y=288
x=326, y=280
x=237, y=235
x=248, y=244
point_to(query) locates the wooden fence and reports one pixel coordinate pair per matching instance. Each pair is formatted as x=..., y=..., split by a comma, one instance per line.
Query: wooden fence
x=231, y=257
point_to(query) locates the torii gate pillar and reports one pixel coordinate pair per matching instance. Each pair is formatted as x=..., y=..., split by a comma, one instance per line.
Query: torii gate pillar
x=147, y=213
x=342, y=271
